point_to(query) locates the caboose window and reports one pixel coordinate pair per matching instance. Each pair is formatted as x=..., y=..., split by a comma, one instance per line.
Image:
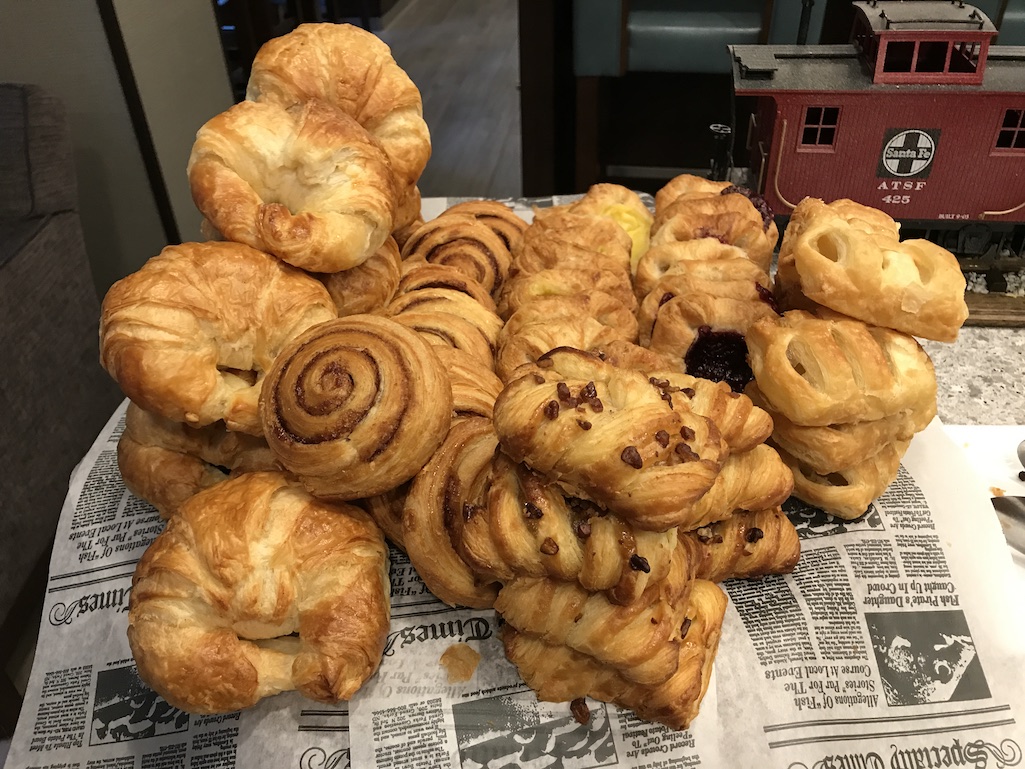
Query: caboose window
x=964, y=57
x=1012, y=131
x=900, y=56
x=820, y=126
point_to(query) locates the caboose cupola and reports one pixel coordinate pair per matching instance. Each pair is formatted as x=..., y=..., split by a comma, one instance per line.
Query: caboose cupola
x=922, y=42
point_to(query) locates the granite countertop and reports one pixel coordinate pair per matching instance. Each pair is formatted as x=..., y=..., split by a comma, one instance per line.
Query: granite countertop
x=981, y=377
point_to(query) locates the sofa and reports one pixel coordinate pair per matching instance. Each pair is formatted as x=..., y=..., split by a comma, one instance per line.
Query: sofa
x=54, y=397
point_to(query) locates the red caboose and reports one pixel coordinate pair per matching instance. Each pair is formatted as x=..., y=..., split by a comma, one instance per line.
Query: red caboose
x=918, y=117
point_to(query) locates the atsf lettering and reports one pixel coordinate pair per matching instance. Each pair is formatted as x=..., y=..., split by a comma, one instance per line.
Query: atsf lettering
x=109, y=600
x=473, y=629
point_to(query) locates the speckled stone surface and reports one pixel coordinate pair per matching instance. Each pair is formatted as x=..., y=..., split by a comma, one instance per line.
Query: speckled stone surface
x=981, y=377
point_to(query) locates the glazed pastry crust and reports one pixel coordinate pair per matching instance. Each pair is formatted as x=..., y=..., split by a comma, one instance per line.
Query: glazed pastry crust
x=305, y=183
x=242, y=566
x=820, y=371
x=356, y=406
x=851, y=261
x=749, y=544
x=178, y=335
x=368, y=286
x=353, y=70
x=607, y=434
x=847, y=493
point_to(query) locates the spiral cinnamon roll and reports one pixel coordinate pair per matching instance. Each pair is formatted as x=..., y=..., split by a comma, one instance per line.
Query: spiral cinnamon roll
x=418, y=274
x=462, y=242
x=356, y=406
x=505, y=223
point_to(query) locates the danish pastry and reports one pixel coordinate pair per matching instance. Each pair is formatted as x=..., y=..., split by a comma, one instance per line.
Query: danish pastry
x=559, y=239
x=368, y=286
x=462, y=242
x=730, y=228
x=452, y=302
x=356, y=406
x=749, y=544
x=820, y=371
x=602, y=307
x=565, y=282
x=219, y=596
x=178, y=334
x=474, y=386
x=505, y=222
x=624, y=207
x=607, y=434
x=533, y=340
x=848, y=260
x=305, y=183
x=418, y=275
x=354, y=70
x=714, y=260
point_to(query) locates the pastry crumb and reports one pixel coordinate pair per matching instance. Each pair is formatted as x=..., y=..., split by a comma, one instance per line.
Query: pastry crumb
x=460, y=662
x=996, y=491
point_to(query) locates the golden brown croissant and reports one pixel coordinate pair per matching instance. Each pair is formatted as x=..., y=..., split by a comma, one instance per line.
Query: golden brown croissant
x=750, y=544
x=356, y=406
x=565, y=282
x=846, y=259
x=598, y=305
x=819, y=371
x=608, y=434
x=534, y=340
x=462, y=242
x=418, y=274
x=434, y=507
x=499, y=217
x=242, y=567
x=640, y=640
x=847, y=492
x=527, y=527
x=305, y=183
x=559, y=674
x=165, y=462
x=354, y=70
x=368, y=286
x=178, y=335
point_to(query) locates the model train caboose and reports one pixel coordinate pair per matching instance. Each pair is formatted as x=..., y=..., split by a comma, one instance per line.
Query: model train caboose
x=918, y=116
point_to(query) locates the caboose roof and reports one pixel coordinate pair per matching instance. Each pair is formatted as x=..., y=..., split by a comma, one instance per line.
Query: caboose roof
x=765, y=69
x=884, y=16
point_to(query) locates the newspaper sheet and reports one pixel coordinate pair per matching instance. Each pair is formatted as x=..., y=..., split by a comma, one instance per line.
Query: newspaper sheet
x=893, y=644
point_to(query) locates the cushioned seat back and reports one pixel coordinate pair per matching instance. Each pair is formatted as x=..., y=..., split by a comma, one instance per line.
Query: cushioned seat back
x=1012, y=27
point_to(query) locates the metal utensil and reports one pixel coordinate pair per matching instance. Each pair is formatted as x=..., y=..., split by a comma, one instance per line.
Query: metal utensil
x=1011, y=514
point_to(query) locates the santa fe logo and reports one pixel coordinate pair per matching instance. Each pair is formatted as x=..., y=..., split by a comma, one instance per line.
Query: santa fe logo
x=908, y=152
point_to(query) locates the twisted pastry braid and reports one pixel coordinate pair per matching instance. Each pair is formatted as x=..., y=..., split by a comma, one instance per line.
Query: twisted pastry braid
x=356, y=406
x=532, y=341
x=750, y=544
x=847, y=492
x=559, y=674
x=672, y=258
x=165, y=462
x=751, y=480
x=464, y=243
x=742, y=424
x=305, y=183
x=368, y=286
x=604, y=308
x=474, y=386
x=354, y=70
x=608, y=434
x=505, y=223
x=434, y=508
x=847, y=257
x=819, y=371
x=179, y=334
x=641, y=641
x=418, y=274
x=565, y=282
x=241, y=567
x=527, y=527
x=834, y=447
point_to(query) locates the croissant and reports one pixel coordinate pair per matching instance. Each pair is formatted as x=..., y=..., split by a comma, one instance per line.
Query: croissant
x=847, y=492
x=505, y=222
x=820, y=371
x=434, y=510
x=641, y=640
x=368, y=286
x=462, y=242
x=353, y=69
x=241, y=568
x=559, y=674
x=418, y=275
x=177, y=335
x=527, y=527
x=565, y=282
x=165, y=462
x=305, y=183
x=847, y=260
x=356, y=406
x=749, y=544
x=607, y=434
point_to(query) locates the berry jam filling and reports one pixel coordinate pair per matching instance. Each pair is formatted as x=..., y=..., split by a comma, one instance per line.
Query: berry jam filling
x=708, y=232
x=766, y=296
x=720, y=356
x=756, y=200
